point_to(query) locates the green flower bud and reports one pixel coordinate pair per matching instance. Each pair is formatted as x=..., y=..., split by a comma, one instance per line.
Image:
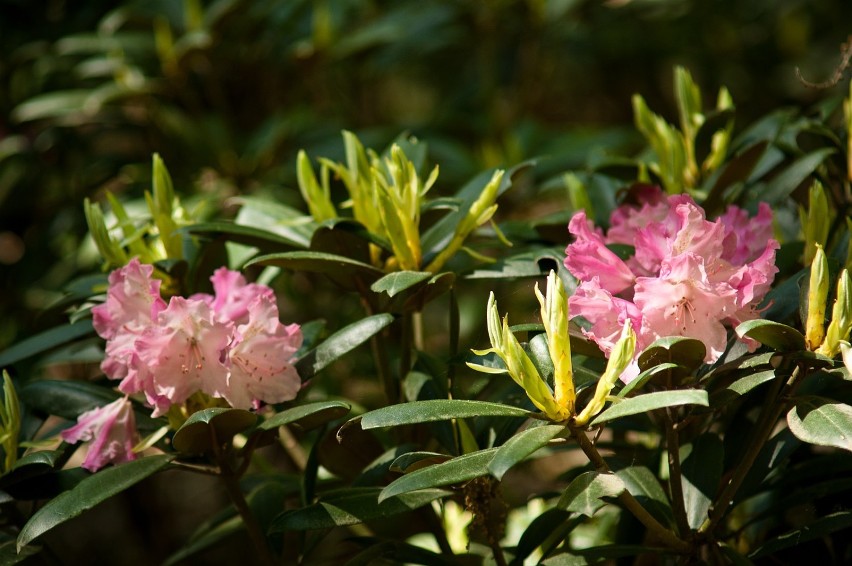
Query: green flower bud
x=841, y=317
x=817, y=296
x=619, y=359
x=816, y=222
x=554, y=315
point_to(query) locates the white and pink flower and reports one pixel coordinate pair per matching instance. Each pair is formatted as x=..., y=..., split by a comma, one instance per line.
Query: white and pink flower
x=688, y=276
x=112, y=430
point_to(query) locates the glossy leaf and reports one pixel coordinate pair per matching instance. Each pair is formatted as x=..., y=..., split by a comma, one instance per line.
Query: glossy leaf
x=821, y=421
x=396, y=552
x=437, y=410
x=340, y=343
x=686, y=352
x=457, y=470
x=521, y=445
x=779, y=337
x=88, y=493
x=552, y=525
x=352, y=506
x=45, y=341
x=651, y=401
x=586, y=492
x=308, y=416
x=412, y=461
x=640, y=380
x=203, y=428
x=741, y=387
x=701, y=470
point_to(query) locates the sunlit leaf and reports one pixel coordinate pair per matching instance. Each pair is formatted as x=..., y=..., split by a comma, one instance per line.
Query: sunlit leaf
x=651, y=401
x=437, y=410
x=821, y=421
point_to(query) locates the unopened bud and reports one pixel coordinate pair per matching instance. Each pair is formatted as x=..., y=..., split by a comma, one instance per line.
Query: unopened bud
x=817, y=296
x=841, y=317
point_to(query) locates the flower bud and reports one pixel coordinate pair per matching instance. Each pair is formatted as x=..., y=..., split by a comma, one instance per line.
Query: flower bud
x=620, y=357
x=841, y=317
x=816, y=222
x=817, y=296
x=554, y=315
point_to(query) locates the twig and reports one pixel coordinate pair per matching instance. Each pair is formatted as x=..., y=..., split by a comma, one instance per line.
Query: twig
x=626, y=498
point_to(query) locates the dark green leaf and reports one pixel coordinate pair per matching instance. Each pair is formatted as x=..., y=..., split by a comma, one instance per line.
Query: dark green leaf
x=821, y=421
x=45, y=341
x=308, y=416
x=686, y=352
x=521, y=445
x=394, y=283
x=10, y=555
x=341, y=342
x=203, y=428
x=66, y=399
x=528, y=264
x=640, y=380
x=437, y=410
x=779, y=337
x=818, y=529
x=586, y=492
x=740, y=387
x=352, y=506
x=457, y=470
x=396, y=552
x=318, y=262
x=412, y=461
x=246, y=235
x=780, y=187
x=553, y=524
x=651, y=401
x=210, y=536
x=88, y=493
x=644, y=486
x=701, y=470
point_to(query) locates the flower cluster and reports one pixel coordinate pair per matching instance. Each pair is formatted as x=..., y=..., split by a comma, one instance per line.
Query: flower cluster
x=229, y=345
x=686, y=276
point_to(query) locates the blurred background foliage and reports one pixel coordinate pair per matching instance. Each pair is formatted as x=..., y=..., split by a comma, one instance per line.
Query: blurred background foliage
x=228, y=91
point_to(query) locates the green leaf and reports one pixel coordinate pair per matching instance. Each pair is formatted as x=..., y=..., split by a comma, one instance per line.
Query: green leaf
x=821, y=421
x=341, y=342
x=650, y=402
x=88, y=493
x=645, y=487
x=640, y=380
x=203, y=428
x=317, y=262
x=779, y=189
x=246, y=235
x=308, y=416
x=779, y=337
x=818, y=529
x=528, y=264
x=352, y=506
x=45, y=341
x=437, y=410
x=457, y=470
x=412, y=461
x=586, y=492
x=553, y=525
x=740, y=387
x=9, y=553
x=395, y=552
x=521, y=445
x=685, y=352
x=701, y=470
x=394, y=283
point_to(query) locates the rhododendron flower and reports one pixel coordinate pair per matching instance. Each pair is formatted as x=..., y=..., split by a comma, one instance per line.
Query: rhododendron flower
x=112, y=430
x=688, y=276
x=229, y=345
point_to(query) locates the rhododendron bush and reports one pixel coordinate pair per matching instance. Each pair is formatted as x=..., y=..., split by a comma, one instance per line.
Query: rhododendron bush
x=673, y=387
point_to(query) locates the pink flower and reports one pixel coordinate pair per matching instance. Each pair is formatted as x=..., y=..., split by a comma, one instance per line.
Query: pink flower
x=688, y=276
x=133, y=302
x=233, y=295
x=260, y=358
x=185, y=351
x=589, y=257
x=112, y=430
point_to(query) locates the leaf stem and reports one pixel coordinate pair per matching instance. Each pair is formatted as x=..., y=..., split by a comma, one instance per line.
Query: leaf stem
x=665, y=536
